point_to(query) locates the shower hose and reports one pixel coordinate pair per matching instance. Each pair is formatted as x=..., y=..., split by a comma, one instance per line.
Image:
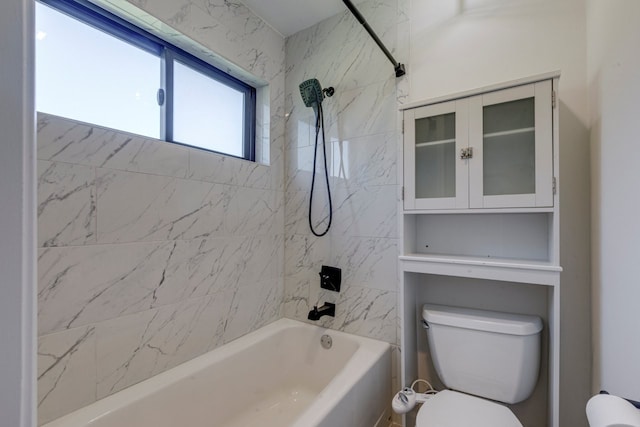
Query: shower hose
x=320, y=129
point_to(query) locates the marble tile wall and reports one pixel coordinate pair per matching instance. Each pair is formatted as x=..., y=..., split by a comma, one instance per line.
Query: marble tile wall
x=363, y=139
x=153, y=253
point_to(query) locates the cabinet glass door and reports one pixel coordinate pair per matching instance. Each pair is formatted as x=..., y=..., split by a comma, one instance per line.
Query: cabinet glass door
x=509, y=148
x=512, y=132
x=433, y=175
x=435, y=156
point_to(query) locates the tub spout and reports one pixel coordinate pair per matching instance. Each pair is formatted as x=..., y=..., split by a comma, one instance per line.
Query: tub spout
x=327, y=309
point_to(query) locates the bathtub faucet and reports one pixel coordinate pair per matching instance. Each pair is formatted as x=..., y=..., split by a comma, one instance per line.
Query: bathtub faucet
x=327, y=309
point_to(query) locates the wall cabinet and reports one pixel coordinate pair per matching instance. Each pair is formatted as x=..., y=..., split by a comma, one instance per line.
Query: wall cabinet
x=491, y=150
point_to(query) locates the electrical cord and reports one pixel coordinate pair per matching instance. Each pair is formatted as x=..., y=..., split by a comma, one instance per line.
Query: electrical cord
x=320, y=127
x=431, y=390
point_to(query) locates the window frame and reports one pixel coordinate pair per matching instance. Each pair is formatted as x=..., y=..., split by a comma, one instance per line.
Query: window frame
x=105, y=21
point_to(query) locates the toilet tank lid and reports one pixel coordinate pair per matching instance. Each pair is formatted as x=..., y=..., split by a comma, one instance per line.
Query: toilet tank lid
x=482, y=320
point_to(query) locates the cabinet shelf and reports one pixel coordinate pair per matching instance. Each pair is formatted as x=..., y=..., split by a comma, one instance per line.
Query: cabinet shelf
x=504, y=269
x=476, y=211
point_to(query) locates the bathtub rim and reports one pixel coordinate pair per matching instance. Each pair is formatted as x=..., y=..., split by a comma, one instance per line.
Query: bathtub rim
x=369, y=351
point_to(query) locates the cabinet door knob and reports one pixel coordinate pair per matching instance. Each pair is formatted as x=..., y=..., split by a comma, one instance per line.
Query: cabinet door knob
x=466, y=153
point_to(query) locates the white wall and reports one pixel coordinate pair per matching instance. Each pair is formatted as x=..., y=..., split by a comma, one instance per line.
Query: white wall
x=461, y=45
x=17, y=215
x=614, y=72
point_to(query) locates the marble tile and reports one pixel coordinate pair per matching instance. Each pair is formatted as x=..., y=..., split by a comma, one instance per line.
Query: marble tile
x=234, y=13
x=362, y=311
x=367, y=110
x=279, y=259
x=161, y=9
x=66, y=204
x=277, y=163
x=296, y=303
x=82, y=285
x=404, y=11
x=237, y=17
x=366, y=262
x=214, y=264
x=277, y=92
x=251, y=306
x=253, y=212
x=354, y=63
x=261, y=255
x=366, y=212
x=304, y=256
x=252, y=45
x=151, y=156
x=66, y=372
x=343, y=30
x=211, y=167
x=278, y=220
x=334, y=31
x=297, y=211
x=306, y=253
x=160, y=208
x=136, y=347
x=365, y=161
x=69, y=141
x=221, y=264
x=300, y=122
x=338, y=33
x=300, y=167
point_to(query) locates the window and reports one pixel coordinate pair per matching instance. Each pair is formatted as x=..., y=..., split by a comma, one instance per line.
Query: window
x=94, y=67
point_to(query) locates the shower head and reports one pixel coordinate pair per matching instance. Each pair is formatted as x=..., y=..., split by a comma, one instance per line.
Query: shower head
x=312, y=93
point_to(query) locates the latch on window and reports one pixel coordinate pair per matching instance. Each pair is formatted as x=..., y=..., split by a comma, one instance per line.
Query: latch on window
x=160, y=97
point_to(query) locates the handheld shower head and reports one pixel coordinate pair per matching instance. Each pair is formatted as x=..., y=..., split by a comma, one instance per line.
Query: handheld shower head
x=312, y=93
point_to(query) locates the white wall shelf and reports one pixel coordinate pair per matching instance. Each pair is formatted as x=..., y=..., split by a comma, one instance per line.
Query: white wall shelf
x=504, y=269
x=476, y=211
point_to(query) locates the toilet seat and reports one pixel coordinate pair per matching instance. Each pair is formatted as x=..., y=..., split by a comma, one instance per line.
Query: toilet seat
x=453, y=409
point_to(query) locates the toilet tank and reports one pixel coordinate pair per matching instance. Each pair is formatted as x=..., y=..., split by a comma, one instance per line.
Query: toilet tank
x=486, y=353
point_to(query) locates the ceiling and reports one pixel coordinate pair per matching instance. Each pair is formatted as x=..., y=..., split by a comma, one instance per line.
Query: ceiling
x=290, y=16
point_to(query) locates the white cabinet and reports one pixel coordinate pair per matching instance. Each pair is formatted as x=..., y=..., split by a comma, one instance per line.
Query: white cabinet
x=490, y=150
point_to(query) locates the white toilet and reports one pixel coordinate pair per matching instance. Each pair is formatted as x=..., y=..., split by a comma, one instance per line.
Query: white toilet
x=481, y=355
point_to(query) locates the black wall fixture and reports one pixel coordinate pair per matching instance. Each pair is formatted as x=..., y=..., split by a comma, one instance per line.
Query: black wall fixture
x=400, y=71
x=330, y=278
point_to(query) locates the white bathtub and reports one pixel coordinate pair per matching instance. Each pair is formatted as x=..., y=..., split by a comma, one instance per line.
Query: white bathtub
x=277, y=376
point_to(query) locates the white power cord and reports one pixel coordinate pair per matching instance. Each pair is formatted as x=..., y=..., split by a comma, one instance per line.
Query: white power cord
x=431, y=390
x=406, y=399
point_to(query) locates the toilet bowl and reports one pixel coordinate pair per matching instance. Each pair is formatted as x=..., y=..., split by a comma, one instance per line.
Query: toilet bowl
x=479, y=355
x=453, y=409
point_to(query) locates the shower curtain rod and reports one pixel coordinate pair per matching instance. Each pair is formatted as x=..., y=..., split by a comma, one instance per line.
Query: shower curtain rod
x=400, y=71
